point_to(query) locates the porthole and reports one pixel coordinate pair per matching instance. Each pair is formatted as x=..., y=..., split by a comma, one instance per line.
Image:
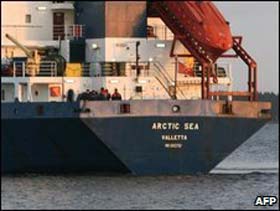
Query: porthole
x=176, y=109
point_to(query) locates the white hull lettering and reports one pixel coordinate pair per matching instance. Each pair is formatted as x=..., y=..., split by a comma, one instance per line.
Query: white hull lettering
x=174, y=137
x=175, y=126
x=191, y=126
x=173, y=146
x=165, y=126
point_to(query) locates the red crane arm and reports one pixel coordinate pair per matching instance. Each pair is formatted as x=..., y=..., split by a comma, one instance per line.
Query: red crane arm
x=202, y=29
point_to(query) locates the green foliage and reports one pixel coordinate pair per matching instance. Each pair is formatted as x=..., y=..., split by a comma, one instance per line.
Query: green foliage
x=274, y=99
x=267, y=97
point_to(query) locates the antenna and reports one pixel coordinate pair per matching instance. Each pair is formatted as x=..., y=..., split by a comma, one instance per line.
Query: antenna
x=137, y=59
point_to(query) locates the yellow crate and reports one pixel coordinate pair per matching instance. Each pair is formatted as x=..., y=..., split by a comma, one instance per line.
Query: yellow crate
x=73, y=70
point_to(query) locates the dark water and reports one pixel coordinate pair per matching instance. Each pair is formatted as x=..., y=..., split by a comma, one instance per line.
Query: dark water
x=250, y=171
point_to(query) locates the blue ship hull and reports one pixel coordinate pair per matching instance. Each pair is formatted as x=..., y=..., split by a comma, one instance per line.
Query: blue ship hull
x=60, y=140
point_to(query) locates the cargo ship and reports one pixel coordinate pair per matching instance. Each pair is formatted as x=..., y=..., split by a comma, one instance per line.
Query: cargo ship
x=176, y=111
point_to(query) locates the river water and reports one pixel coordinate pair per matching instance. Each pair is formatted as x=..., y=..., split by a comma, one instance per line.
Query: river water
x=235, y=183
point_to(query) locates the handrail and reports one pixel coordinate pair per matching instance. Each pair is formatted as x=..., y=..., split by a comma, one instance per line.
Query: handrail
x=22, y=69
x=161, y=77
x=168, y=77
x=22, y=47
x=160, y=32
x=168, y=80
x=165, y=88
x=69, y=31
x=47, y=68
x=165, y=70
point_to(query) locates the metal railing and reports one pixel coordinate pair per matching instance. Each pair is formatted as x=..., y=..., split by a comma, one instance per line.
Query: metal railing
x=45, y=68
x=95, y=69
x=144, y=72
x=86, y=70
x=167, y=80
x=68, y=32
x=160, y=32
x=148, y=69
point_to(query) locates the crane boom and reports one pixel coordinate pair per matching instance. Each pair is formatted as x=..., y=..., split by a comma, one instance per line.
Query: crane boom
x=28, y=52
x=33, y=61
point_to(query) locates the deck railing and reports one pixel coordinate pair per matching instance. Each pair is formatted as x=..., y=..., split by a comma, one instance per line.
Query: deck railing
x=160, y=32
x=68, y=32
x=22, y=69
x=95, y=69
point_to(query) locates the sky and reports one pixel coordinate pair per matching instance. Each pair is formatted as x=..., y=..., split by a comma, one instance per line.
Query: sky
x=258, y=23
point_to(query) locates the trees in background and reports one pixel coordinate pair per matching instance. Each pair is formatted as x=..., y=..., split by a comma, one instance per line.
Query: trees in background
x=274, y=99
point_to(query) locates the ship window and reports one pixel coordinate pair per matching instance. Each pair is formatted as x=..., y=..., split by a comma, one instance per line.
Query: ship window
x=138, y=89
x=2, y=94
x=28, y=18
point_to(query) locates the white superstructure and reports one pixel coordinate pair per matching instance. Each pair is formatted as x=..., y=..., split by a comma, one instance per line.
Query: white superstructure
x=48, y=23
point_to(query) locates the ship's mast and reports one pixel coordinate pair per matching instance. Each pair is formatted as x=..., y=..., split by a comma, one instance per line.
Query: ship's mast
x=137, y=59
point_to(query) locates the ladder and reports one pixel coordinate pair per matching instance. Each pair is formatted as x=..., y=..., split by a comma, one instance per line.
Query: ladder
x=252, y=68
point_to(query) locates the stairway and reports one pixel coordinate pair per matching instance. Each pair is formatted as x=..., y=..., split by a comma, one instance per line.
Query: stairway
x=252, y=65
x=166, y=81
x=240, y=51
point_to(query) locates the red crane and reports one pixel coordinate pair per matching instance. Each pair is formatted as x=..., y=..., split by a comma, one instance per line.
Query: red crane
x=202, y=29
